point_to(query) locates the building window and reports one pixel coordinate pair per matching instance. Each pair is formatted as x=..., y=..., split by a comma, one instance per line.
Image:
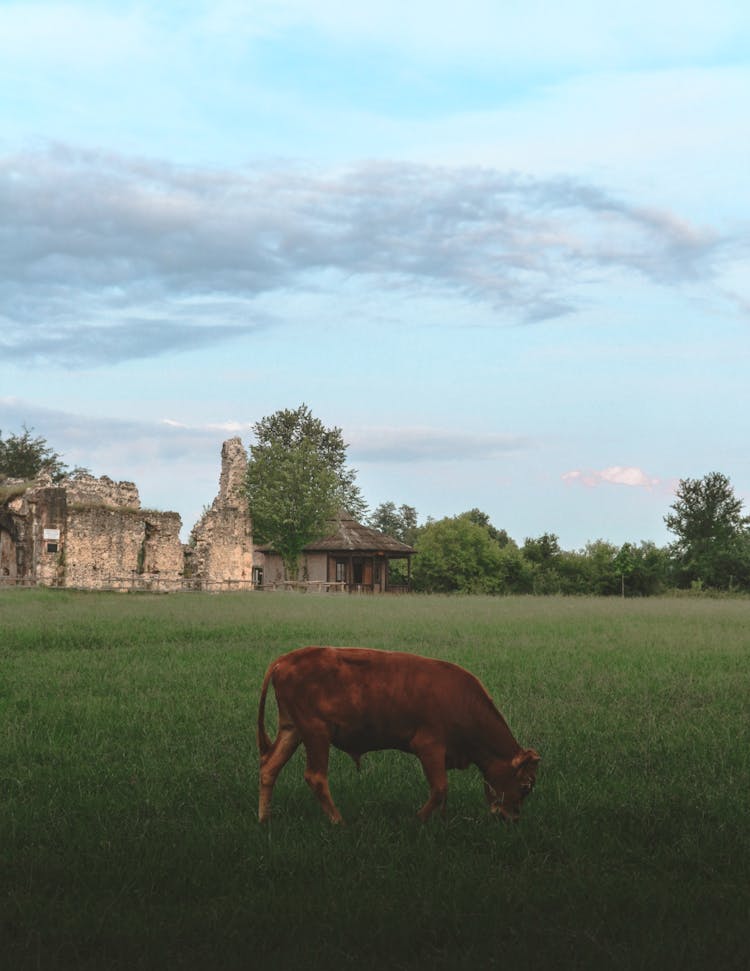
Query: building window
x=340, y=571
x=52, y=547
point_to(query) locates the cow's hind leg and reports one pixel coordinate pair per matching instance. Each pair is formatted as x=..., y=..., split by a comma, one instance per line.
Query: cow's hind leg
x=283, y=748
x=316, y=774
x=433, y=762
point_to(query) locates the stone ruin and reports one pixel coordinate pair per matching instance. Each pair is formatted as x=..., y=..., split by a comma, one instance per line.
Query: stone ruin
x=92, y=533
x=220, y=551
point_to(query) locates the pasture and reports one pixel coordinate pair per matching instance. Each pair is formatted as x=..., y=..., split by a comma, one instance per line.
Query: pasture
x=128, y=789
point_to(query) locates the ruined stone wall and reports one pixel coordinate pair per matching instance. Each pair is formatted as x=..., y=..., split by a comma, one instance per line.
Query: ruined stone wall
x=46, y=534
x=15, y=534
x=163, y=552
x=110, y=541
x=88, y=532
x=221, y=543
x=92, y=532
x=106, y=546
x=86, y=490
x=102, y=546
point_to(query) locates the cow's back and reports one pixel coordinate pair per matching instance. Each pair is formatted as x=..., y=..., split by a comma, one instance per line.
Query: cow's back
x=369, y=699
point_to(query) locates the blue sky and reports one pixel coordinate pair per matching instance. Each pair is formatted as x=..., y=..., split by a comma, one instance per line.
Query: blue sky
x=503, y=246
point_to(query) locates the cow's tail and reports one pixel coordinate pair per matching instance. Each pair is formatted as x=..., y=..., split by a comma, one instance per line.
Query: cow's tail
x=264, y=742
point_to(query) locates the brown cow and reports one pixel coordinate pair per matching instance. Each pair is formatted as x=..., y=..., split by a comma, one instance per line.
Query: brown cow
x=361, y=700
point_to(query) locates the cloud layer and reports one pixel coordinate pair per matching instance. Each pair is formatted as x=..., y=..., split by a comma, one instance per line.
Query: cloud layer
x=86, y=439
x=429, y=445
x=109, y=258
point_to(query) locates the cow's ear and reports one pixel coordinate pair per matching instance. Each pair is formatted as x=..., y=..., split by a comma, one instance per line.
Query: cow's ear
x=528, y=756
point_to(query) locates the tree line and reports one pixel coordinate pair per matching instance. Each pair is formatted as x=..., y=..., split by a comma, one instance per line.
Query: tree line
x=467, y=554
x=298, y=480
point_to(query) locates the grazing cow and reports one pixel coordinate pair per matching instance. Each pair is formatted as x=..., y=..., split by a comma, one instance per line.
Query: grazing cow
x=361, y=700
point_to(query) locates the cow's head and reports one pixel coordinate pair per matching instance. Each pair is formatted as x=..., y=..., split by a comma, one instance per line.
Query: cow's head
x=508, y=782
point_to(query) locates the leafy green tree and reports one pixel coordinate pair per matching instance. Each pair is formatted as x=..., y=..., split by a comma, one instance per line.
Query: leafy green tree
x=457, y=555
x=544, y=555
x=482, y=519
x=603, y=573
x=399, y=522
x=542, y=550
x=624, y=564
x=570, y=572
x=515, y=573
x=25, y=456
x=712, y=533
x=297, y=480
x=651, y=570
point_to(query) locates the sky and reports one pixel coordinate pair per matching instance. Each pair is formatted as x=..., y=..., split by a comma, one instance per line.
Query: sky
x=504, y=246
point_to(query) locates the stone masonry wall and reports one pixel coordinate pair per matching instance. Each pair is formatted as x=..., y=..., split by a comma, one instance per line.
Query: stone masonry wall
x=107, y=546
x=221, y=543
x=102, y=546
x=92, y=532
x=87, y=490
x=48, y=510
x=88, y=532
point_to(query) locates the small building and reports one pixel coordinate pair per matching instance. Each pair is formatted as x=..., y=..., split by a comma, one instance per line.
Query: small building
x=351, y=557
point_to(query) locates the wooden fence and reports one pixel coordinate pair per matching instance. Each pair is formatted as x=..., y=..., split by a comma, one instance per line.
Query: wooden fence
x=155, y=584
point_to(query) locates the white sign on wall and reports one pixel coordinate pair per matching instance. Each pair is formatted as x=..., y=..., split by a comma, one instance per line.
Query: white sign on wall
x=53, y=534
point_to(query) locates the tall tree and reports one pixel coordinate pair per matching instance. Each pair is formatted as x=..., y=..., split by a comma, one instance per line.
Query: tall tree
x=297, y=480
x=399, y=522
x=624, y=563
x=546, y=557
x=26, y=456
x=457, y=554
x=712, y=533
x=476, y=515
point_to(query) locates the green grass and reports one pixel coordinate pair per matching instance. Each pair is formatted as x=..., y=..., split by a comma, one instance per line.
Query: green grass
x=128, y=790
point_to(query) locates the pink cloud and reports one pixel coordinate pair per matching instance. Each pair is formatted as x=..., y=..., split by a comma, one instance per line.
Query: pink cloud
x=627, y=475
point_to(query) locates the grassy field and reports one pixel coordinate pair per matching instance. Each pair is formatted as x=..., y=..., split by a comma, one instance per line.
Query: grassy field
x=128, y=788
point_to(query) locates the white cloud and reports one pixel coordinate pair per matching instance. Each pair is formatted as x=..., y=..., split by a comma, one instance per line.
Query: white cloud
x=231, y=427
x=626, y=475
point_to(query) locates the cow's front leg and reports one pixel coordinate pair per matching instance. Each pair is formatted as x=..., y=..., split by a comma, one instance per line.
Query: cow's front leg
x=316, y=775
x=432, y=758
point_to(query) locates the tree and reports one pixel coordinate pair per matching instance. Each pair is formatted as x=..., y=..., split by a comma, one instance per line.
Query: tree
x=543, y=550
x=401, y=522
x=457, y=555
x=297, y=480
x=712, y=534
x=482, y=519
x=624, y=564
x=602, y=568
x=25, y=457
x=651, y=568
x=544, y=554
